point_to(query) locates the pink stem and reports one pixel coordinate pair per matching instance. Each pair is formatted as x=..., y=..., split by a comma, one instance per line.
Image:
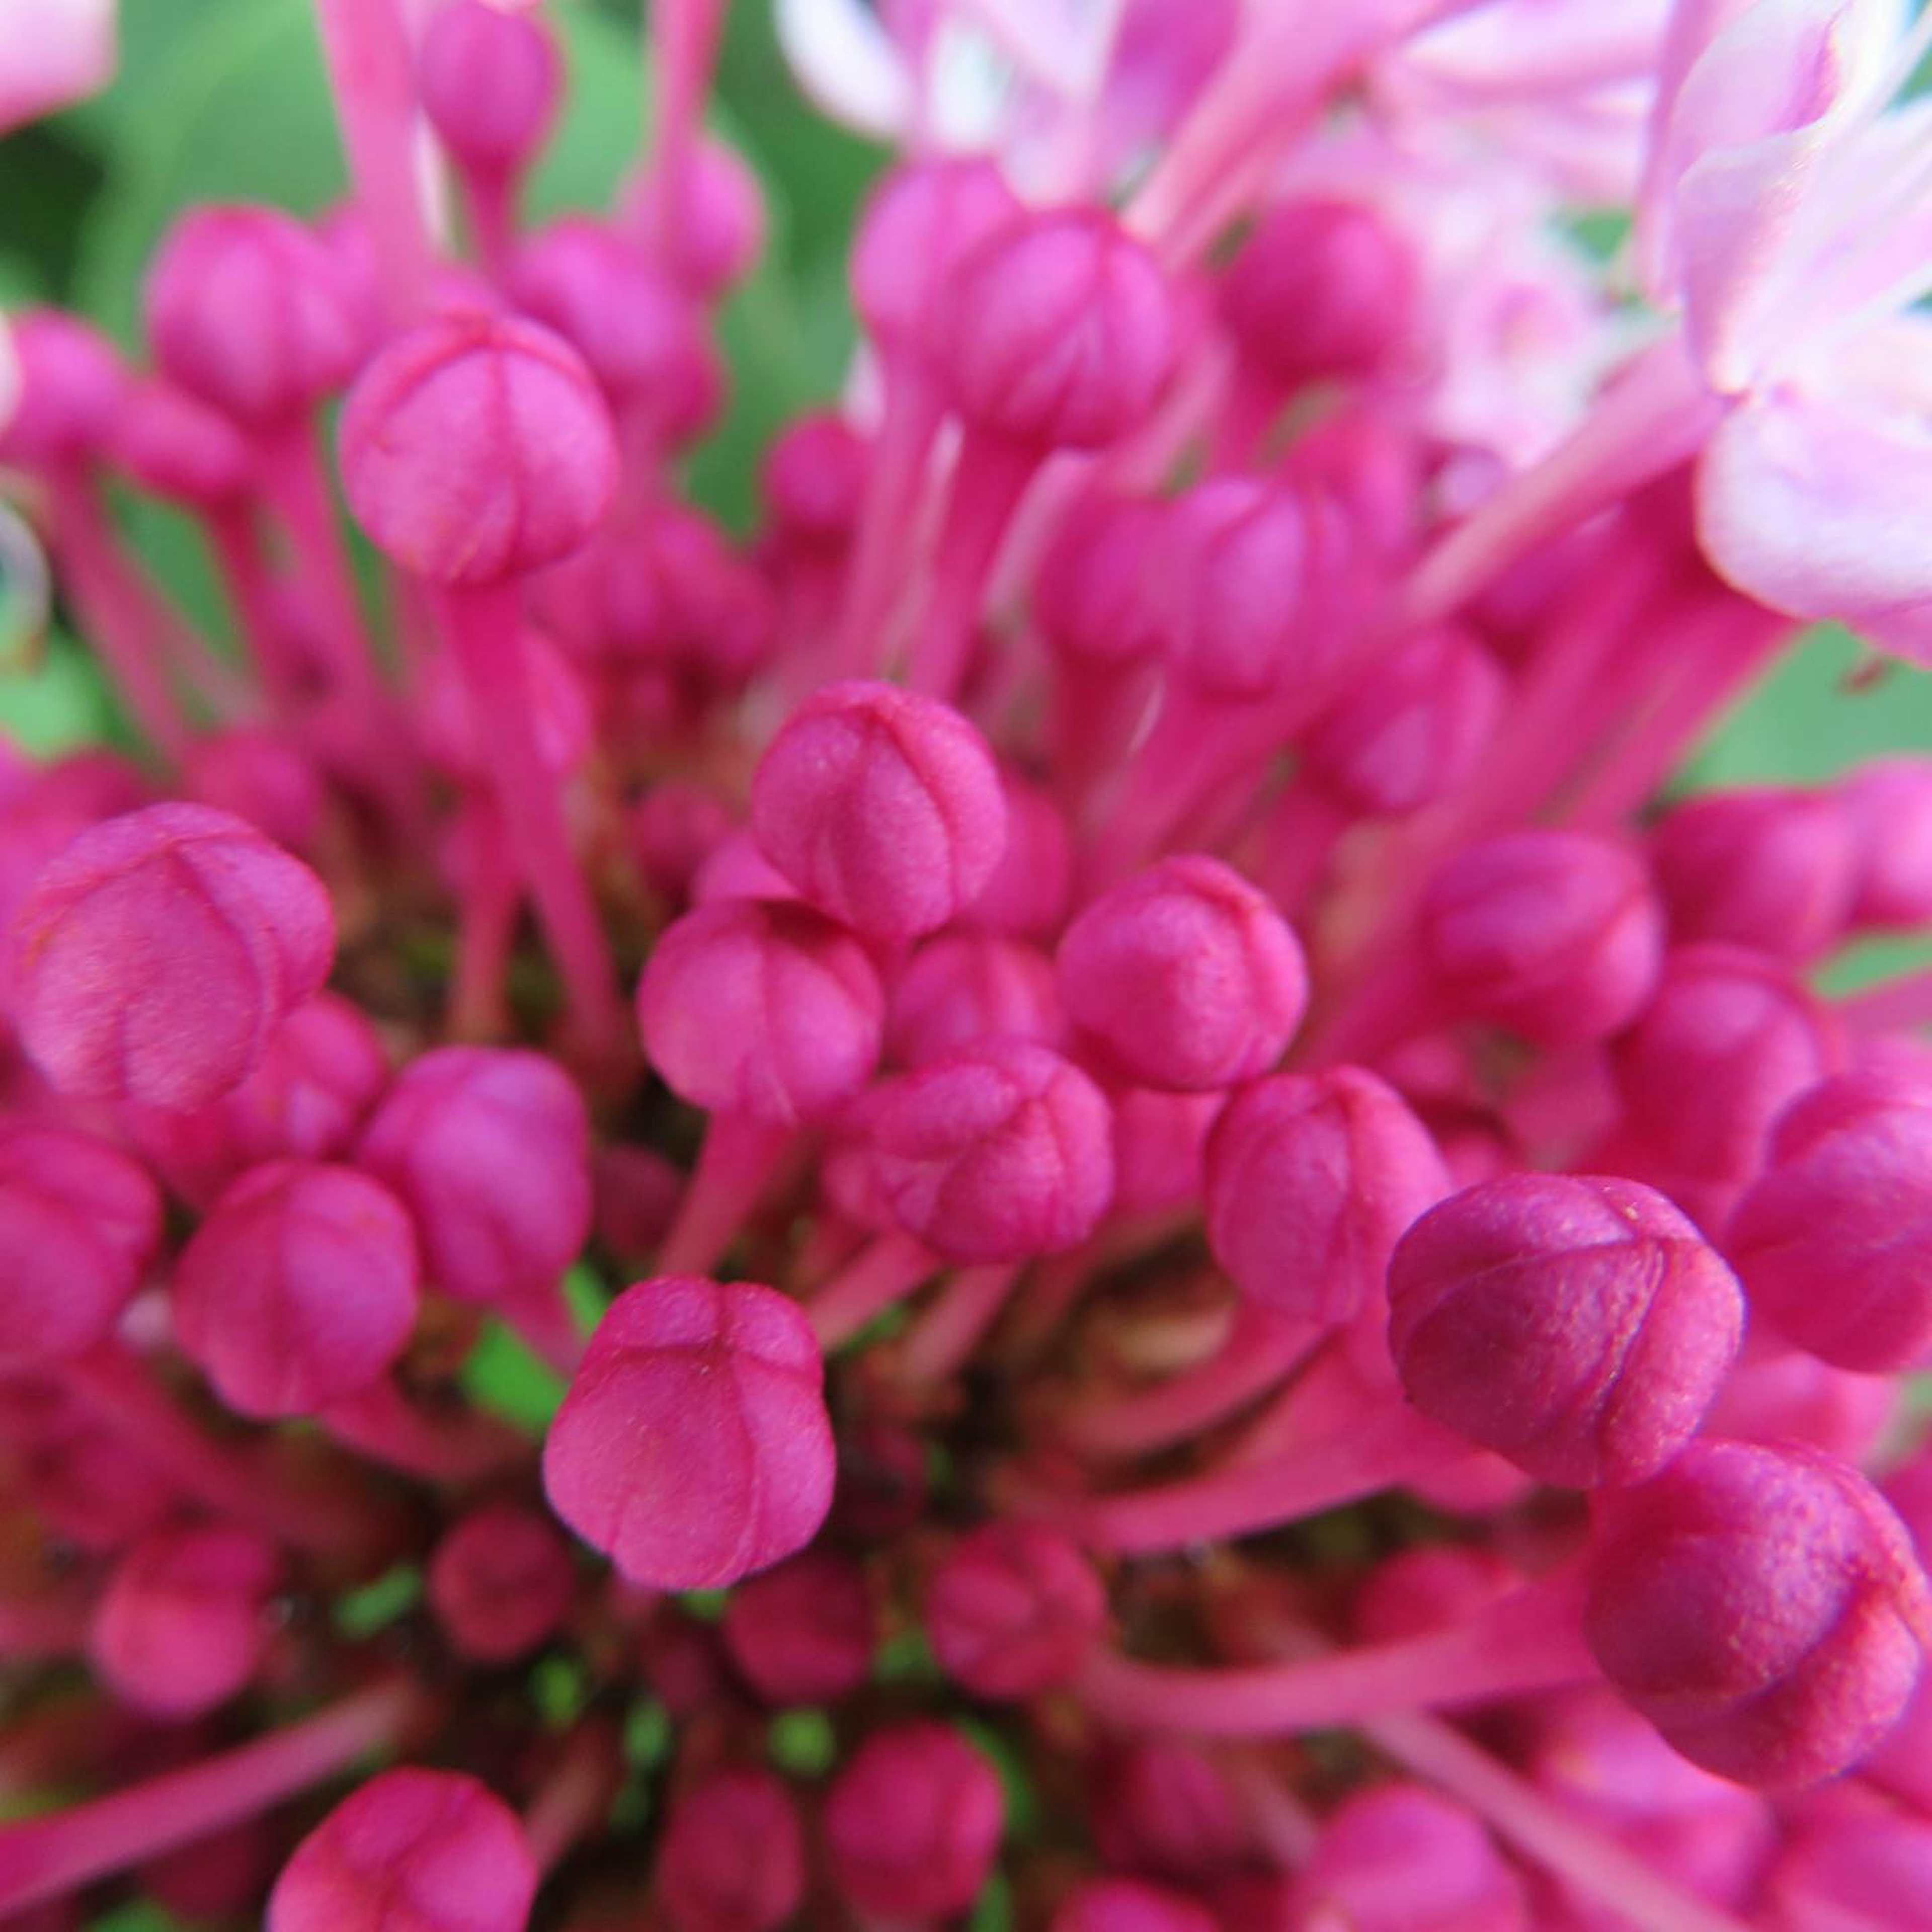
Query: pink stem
x=488, y=906
x=1096, y=711
x=887, y=1270
x=373, y=74
x=949, y=1331
x=378, y=1422
x=233, y=539
x=572, y=1801
x=489, y=200
x=46, y=1858
x=1302, y=830
x=541, y=1318
x=736, y=1166
x=50, y=1625
x=684, y=36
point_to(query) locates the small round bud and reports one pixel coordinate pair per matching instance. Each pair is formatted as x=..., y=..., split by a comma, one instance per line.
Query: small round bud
x=882, y=806
x=1578, y=1326
x=501, y=1582
x=997, y=1152
x=1127, y=1905
x=1429, y=1586
x=732, y=1858
x=72, y=390
x=1092, y=596
x=694, y=1446
x=1889, y=805
x=1026, y=898
x=1761, y=1606
x=962, y=988
x=913, y=1823
x=1014, y=1609
x=264, y=777
x=804, y=1632
x=920, y=221
x=768, y=1012
x=153, y=960
x=475, y=448
x=1160, y=1141
x=1310, y=1182
x=1185, y=977
x=1556, y=935
x=435, y=1850
x=716, y=235
x=489, y=1150
x=1164, y=1806
x=489, y=80
x=814, y=476
x=178, y=449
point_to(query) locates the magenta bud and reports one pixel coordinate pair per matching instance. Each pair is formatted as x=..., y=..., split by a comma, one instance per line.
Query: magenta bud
x=84, y=1485
x=1092, y=597
x=178, y=449
x=1395, y=1858
x=715, y=235
x=1761, y=1605
x=154, y=959
x=765, y=1011
x=1580, y=1326
x=72, y=389
x=1310, y=1182
x=734, y=869
x=814, y=476
x=882, y=806
x=1431, y=1586
x=998, y=1152
x=1059, y=330
x=1026, y=895
x=694, y=1447
x=1184, y=977
x=732, y=1858
x=251, y=312
x=79, y=1224
x=263, y=776
x=489, y=80
x=962, y=988
x=1834, y=1239
x=1556, y=935
x=1414, y=730
x=635, y=1195
x=1322, y=291
x=1014, y=1609
x=435, y=1851
x=1889, y=803
x=501, y=1582
x=919, y=222
x=1162, y=1805
x=1844, y=1871
x=489, y=1150
x=913, y=1823
x=804, y=1632
x=183, y=1624
x=299, y=1289
x=676, y=826
x=475, y=448
x=1128, y=1905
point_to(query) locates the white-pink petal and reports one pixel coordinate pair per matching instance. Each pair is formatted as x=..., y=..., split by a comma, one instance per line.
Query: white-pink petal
x=52, y=52
x=844, y=58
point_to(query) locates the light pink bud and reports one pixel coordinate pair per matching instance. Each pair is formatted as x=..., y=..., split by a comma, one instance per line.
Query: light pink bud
x=716, y=236
x=732, y=1858
x=264, y=777
x=919, y=222
x=489, y=80
x=1092, y=596
x=1889, y=805
x=72, y=389
x=1014, y=1609
x=962, y=988
x=178, y=449
x=501, y=1582
x=804, y=1632
x=814, y=476
x=1127, y=1905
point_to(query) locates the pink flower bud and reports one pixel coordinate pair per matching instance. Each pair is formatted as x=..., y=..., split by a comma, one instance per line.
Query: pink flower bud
x=1185, y=977
x=264, y=777
x=154, y=959
x=435, y=1850
x=1578, y=1326
x=677, y=825
x=250, y=311
x=1889, y=803
x=732, y=1858
x=815, y=478
x=1432, y=1586
x=913, y=1823
x=962, y=988
x=1060, y=331
x=918, y=225
x=1014, y=1609
x=1397, y=1858
x=1556, y=935
x=882, y=806
x=1126, y=1905
x=1322, y=291
x=1091, y=596
x=716, y=236
x=768, y=1012
x=79, y=1223
x=997, y=1152
x=84, y=1485
x=183, y=1623
x=489, y=81
x=72, y=390
x=488, y=1150
x=177, y=449
x=501, y=1582
x=1026, y=895
x=299, y=1289
x=1761, y=1606
x=1851, y=1871
x=694, y=1447
x=1163, y=1806
x=804, y=1632
x=1310, y=1182
x=475, y=448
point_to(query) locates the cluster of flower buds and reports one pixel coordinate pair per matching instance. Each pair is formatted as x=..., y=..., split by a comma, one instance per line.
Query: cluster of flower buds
x=1047, y=1195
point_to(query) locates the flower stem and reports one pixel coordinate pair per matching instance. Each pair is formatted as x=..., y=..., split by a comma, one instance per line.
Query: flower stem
x=886, y=1270
x=736, y=1165
x=380, y=1423
x=948, y=1331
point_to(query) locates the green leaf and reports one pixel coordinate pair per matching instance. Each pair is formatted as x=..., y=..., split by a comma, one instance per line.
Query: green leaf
x=56, y=703
x=503, y=1376
x=802, y=1743
x=376, y=1605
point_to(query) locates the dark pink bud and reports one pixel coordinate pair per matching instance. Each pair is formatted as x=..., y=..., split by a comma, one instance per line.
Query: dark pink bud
x=715, y=236
x=1398, y=1858
x=997, y=1152
x=1889, y=803
x=1126, y=1905
x=732, y=1858
x=962, y=988
x=1372, y=464
x=694, y=1447
x=1310, y=1182
x=1761, y=1606
x=1578, y=1326
x=635, y=1192
x=299, y=1289
x=1059, y=331
x=735, y=869
x=815, y=478
x=913, y=1823
x=501, y=1582
x=475, y=448
x=1092, y=597
x=1834, y=1240
x=72, y=389
x=435, y=1851
x=1844, y=1871
x=183, y=1624
x=489, y=80
x=1556, y=935
x=1413, y=729
x=177, y=448
x=1322, y=292
x=1026, y=895
x=154, y=959
x=676, y=826
x=263, y=776
x=766, y=1011
x=1163, y=1806
x=79, y=1223
x=919, y=224
x=251, y=312
x=1014, y=1609
x=558, y=706
x=84, y=1485
x=1185, y=977
x=1432, y=1586
x=804, y=1632
x=882, y=806
x=488, y=1150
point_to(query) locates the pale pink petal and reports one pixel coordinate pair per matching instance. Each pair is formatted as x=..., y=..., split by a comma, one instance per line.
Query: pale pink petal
x=52, y=52
x=843, y=57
